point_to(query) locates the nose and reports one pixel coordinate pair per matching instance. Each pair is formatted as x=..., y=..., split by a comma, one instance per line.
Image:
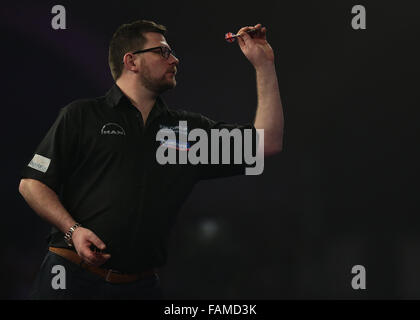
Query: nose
x=173, y=59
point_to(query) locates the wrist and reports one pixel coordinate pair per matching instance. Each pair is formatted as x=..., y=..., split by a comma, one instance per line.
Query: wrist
x=69, y=234
x=265, y=67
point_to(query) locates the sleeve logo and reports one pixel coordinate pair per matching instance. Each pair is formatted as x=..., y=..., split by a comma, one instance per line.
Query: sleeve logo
x=40, y=163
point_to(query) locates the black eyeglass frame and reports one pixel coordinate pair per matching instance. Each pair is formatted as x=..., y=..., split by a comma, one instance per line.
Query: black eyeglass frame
x=165, y=52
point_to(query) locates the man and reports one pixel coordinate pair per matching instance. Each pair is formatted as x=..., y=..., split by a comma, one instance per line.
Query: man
x=95, y=176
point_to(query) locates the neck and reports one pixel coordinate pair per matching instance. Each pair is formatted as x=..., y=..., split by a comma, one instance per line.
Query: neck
x=142, y=98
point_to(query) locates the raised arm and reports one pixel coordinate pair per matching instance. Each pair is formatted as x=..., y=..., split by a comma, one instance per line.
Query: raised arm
x=269, y=114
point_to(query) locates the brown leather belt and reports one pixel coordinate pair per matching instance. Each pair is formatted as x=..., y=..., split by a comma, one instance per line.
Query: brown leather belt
x=109, y=275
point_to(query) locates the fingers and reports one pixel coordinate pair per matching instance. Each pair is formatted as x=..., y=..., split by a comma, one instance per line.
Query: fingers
x=86, y=244
x=244, y=30
x=244, y=36
x=92, y=257
x=263, y=33
x=260, y=31
x=96, y=241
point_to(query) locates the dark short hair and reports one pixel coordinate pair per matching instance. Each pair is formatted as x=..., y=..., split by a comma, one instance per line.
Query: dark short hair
x=129, y=37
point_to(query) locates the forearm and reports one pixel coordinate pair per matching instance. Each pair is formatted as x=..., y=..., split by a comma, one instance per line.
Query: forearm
x=45, y=202
x=269, y=114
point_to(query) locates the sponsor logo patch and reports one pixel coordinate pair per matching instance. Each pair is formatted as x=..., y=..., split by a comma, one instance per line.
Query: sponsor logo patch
x=174, y=144
x=182, y=130
x=179, y=144
x=40, y=163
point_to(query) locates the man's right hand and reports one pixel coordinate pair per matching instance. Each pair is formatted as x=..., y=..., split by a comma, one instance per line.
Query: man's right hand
x=83, y=239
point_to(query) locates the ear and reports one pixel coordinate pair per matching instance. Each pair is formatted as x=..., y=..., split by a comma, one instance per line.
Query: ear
x=130, y=62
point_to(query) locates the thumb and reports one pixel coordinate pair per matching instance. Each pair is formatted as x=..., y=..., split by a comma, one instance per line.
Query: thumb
x=96, y=241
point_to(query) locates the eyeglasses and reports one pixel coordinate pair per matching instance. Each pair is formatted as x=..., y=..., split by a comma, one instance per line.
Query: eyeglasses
x=165, y=52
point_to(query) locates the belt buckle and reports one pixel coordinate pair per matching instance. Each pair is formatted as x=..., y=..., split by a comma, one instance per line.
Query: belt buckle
x=109, y=274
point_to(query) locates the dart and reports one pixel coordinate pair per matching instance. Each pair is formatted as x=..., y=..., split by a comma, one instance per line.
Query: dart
x=231, y=37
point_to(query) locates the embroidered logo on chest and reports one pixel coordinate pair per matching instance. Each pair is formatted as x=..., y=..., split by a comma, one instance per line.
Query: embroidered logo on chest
x=112, y=128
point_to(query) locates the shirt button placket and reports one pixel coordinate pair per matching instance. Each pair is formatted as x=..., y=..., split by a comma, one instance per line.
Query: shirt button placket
x=140, y=119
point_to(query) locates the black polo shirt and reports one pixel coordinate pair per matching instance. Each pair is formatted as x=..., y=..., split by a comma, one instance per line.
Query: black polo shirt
x=100, y=159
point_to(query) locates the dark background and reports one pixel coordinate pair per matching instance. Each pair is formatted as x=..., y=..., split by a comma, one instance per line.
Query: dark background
x=343, y=192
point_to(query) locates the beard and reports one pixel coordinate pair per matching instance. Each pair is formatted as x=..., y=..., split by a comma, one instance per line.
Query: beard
x=158, y=85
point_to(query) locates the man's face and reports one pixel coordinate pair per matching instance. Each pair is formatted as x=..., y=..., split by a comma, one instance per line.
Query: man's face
x=157, y=73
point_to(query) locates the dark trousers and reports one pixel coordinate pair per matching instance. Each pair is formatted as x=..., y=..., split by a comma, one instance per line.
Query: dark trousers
x=77, y=283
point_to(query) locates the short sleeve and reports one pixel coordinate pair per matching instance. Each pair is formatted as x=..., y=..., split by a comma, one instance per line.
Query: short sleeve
x=243, y=137
x=56, y=155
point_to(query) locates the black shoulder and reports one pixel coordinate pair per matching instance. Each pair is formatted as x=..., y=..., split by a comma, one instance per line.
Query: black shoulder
x=79, y=105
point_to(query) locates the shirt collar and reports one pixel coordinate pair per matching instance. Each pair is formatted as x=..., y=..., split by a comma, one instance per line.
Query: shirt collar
x=115, y=97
